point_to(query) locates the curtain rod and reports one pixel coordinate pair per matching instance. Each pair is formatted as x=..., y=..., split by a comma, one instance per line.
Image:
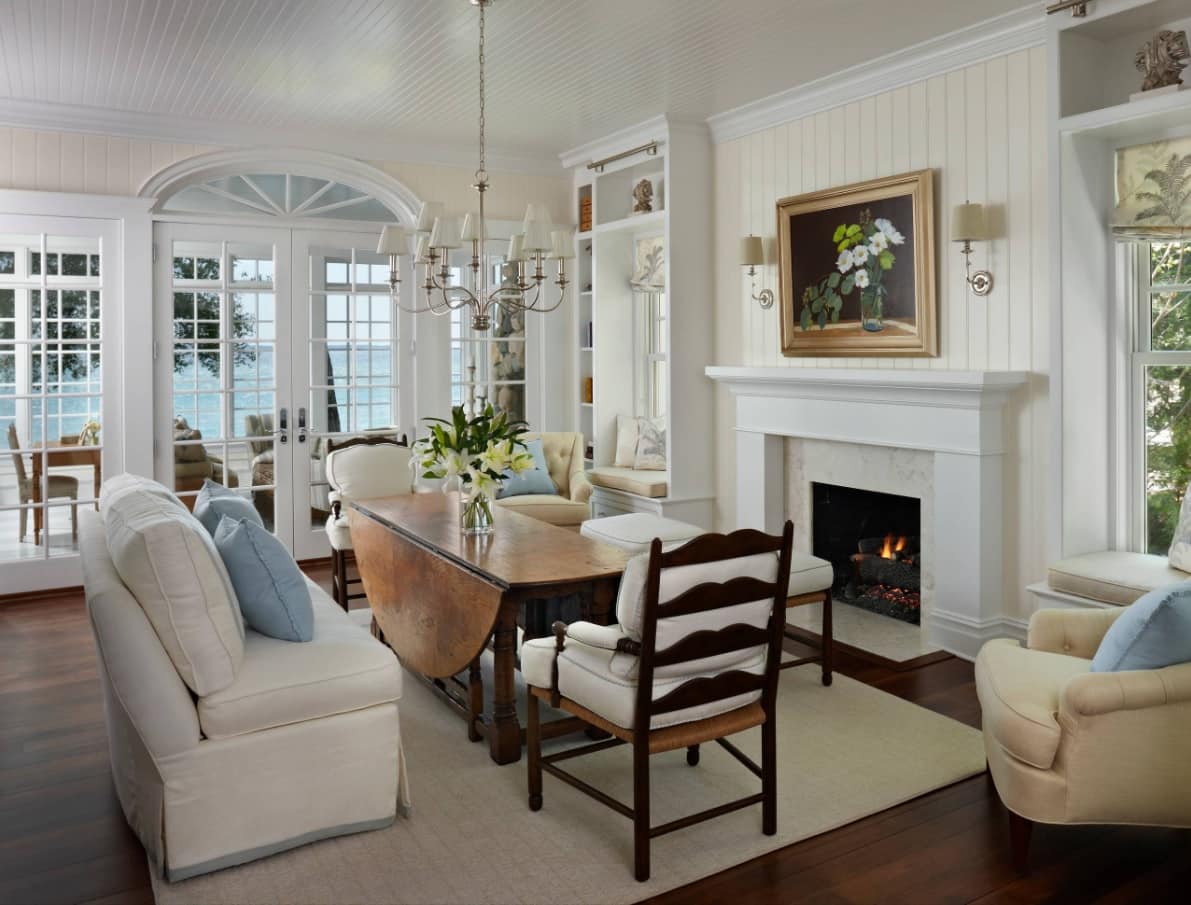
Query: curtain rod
x=1079, y=8
x=650, y=148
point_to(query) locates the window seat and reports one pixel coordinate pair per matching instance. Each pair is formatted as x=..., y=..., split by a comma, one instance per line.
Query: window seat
x=1112, y=576
x=651, y=484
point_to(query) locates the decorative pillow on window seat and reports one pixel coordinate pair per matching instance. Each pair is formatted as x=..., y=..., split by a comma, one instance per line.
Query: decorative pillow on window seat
x=1180, y=546
x=651, y=445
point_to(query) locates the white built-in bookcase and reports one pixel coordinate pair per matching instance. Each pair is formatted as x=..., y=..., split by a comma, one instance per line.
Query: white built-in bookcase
x=681, y=173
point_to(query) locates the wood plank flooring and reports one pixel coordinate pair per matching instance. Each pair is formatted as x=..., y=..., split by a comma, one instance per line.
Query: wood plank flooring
x=63, y=838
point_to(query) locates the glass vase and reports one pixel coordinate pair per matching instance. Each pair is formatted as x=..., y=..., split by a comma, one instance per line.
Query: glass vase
x=476, y=515
x=871, y=318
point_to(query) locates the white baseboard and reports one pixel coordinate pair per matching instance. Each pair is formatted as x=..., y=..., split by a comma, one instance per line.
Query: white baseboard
x=963, y=636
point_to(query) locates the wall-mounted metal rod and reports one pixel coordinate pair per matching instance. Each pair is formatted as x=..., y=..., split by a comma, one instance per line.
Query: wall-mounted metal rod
x=650, y=148
x=1079, y=8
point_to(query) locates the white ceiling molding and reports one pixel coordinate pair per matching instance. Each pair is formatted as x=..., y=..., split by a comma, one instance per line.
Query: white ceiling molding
x=298, y=162
x=361, y=145
x=994, y=37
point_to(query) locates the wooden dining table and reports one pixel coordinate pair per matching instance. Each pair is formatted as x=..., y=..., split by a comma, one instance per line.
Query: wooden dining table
x=438, y=596
x=61, y=454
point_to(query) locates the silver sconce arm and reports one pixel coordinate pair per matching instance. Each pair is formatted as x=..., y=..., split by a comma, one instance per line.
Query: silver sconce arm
x=765, y=296
x=982, y=280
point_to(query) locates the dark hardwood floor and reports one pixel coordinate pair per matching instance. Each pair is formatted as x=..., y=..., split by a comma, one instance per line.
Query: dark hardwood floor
x=63, y=837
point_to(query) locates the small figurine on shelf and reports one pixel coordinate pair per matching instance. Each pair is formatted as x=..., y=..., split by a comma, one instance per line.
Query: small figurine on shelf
x=89, y=435
x=643, y=197
x=1163, y=60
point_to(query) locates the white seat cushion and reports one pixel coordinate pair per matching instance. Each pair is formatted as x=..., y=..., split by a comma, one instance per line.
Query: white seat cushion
x=1113, y=576
x=550, y=508
x=605, y=681
x=339, y=532
x=809, y=574
x=636, y=531
x=651, y=484
x=169, y=563
x=281, y=682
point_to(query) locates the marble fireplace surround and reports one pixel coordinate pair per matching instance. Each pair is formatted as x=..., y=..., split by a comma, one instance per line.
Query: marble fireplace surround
x=938, y=435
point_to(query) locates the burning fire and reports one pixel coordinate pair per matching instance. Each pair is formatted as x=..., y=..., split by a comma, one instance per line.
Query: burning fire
x=892, y=545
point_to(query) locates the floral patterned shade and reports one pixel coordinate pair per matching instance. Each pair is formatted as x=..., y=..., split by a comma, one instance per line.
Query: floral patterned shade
x=1153, y=191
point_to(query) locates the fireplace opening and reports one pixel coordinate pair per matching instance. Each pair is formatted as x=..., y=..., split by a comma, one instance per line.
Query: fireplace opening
x=871, y=540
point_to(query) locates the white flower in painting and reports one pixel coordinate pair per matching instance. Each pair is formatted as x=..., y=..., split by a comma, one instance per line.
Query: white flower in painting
x=860, y=255
x=862, y=279
x=877, y=243
x=845, y=261
x=889, y=230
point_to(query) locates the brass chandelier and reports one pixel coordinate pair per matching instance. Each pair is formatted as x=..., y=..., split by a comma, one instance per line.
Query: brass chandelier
x=519, y=286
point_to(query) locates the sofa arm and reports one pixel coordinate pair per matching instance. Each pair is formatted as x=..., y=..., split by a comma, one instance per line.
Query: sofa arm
x=1076, y=633
x=580, y=486
x=1098, y=693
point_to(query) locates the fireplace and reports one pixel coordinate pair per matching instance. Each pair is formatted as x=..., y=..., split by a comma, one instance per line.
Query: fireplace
x=872, y=541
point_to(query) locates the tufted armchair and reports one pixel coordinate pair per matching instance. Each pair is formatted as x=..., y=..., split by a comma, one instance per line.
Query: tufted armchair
x=1066, y=745
x=564, y=460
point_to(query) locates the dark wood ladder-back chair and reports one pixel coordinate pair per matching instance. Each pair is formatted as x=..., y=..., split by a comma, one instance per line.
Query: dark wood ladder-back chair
x=695, y=645
x=341, y=584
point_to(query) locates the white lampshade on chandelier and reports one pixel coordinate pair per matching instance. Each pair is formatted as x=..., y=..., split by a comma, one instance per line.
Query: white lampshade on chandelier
x=520, y=287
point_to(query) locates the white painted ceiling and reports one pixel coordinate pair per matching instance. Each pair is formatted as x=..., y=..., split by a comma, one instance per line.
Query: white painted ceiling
x=561, y=72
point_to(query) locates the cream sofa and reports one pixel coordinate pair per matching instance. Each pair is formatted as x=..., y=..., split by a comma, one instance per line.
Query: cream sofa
x=1066, y=745
x=564, y=460
x=302, y=744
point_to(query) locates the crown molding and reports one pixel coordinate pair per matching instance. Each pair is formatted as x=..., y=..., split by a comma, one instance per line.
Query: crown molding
x=362, y=145
x=1016, y=30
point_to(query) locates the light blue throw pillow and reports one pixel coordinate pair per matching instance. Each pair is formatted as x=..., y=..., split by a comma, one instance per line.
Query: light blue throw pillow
x=1152, y=633
x=532, y=480
x=214, y=501
x=273, y=595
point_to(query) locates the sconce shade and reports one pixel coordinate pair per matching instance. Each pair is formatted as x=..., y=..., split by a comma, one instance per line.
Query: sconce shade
x=431, y=211
x=393, y=241
x=967, y=223
x=752, y=251
x=445, y=233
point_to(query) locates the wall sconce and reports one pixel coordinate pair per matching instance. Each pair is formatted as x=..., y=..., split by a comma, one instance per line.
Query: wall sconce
x=393, y=242
x=968, y=226
x=752, y=255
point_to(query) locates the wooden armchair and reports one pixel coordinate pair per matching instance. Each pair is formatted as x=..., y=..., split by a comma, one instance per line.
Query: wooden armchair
x=694, y=659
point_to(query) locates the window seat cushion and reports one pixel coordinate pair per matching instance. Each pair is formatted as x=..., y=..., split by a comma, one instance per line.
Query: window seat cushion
x=651, y=484
x=1113, y=576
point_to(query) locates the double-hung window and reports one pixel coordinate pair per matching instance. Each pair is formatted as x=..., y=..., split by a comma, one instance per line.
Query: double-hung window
x=1161, y=390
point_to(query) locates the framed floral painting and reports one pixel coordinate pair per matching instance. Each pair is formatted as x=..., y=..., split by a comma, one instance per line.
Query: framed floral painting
x=857, y=271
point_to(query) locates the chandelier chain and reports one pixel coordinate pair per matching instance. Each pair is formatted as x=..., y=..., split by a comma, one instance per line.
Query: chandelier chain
x=482, y=174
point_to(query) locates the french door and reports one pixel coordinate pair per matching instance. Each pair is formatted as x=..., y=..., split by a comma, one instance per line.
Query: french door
x=272, y=344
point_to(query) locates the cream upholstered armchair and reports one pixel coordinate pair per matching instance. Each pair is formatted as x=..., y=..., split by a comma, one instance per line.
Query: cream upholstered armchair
x=564, y=460
x=1067, y=745
x=360, y=469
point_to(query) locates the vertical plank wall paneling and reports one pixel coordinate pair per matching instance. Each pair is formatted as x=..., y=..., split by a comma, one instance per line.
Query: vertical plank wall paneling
x=982, y=128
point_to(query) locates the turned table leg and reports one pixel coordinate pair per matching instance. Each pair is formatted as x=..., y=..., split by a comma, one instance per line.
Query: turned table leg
x=504, y=736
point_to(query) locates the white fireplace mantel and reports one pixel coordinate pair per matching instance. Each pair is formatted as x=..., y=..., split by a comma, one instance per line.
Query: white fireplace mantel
x=958, y=416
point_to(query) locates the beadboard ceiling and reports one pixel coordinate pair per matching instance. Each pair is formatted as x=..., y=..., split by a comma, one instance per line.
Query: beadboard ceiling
x=561, y=72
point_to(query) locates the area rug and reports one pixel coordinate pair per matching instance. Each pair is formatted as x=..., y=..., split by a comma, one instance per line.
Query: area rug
x=845, y=752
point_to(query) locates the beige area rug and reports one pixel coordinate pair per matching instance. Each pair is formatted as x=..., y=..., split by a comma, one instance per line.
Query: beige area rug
x=844, y=752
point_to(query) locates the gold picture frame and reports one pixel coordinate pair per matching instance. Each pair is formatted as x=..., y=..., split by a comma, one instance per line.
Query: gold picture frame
x=845, y=285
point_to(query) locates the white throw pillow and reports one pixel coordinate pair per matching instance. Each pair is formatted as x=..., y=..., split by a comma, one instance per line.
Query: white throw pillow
x=651, y=445
x=626, y=440
x=1180, y=545
x=169, y=563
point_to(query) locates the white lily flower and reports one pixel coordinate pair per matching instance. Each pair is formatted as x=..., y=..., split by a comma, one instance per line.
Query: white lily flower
x=520, y=462
x=480, y=482
x=845, y=261
x=494, y=458
x=862, y=279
